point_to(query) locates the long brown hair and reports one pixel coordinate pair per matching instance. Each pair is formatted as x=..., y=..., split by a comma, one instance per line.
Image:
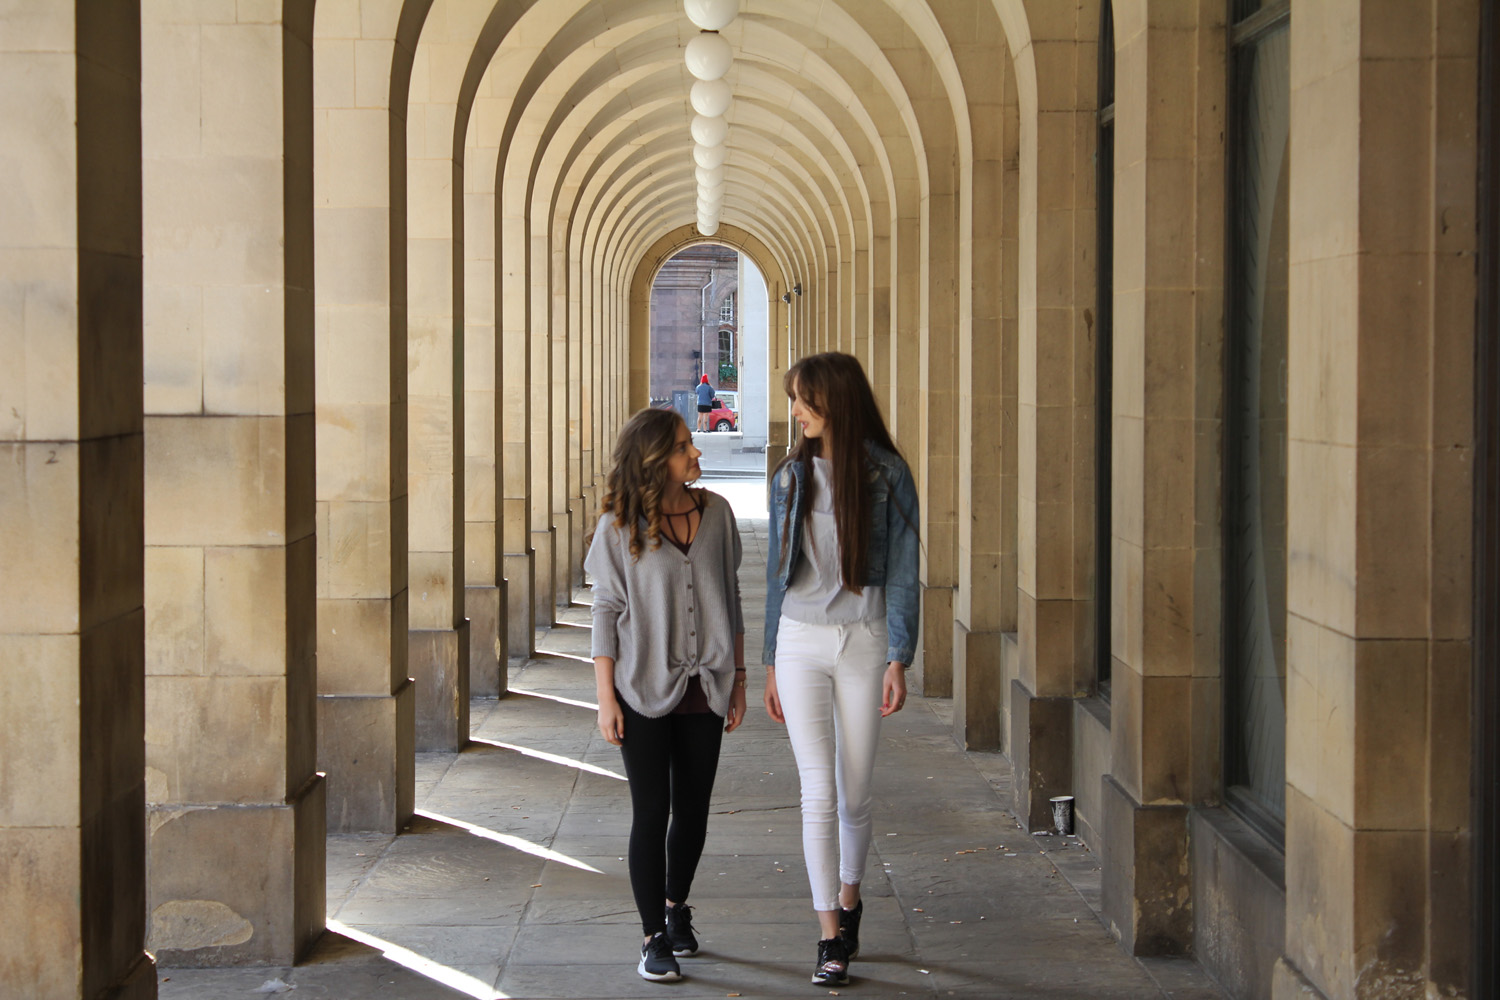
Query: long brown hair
x=634, y=486
x=833, y=385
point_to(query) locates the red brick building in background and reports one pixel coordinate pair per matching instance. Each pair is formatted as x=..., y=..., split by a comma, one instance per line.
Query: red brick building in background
x=695, y=321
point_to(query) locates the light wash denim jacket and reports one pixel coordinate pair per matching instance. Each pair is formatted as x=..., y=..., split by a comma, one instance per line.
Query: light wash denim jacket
x=892, y=559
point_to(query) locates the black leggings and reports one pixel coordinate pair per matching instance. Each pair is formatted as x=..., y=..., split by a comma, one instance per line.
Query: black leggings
x=671, y=762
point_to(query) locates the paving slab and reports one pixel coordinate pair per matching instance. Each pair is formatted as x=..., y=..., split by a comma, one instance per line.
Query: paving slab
x=521, y=889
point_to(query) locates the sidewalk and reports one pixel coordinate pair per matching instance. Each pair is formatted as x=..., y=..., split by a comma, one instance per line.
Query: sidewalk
x=722, y=456
x=512, y=882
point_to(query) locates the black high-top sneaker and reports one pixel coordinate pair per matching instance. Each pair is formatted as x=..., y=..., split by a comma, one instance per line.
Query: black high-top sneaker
x=849, y=927
x=680, y=930
x=657, y=963
x=833, y=964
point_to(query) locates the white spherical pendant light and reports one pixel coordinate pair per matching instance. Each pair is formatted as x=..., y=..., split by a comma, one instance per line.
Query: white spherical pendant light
x=708, y=56
x=711, y=15
x=710, y=97
x=709, y=156
x=709, y=177
x=709, y=131
x=707, y=229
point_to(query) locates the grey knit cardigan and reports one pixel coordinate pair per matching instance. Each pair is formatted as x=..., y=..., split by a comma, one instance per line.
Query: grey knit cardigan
x=666, y=616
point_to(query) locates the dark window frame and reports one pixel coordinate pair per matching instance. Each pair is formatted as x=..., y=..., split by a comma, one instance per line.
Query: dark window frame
x=1250, y=21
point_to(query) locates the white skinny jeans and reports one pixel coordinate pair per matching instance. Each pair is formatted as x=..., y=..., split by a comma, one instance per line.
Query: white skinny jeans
x=829, y=680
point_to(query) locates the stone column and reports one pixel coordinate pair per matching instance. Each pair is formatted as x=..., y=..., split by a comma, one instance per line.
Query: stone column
x=514, y=346
x=236, y=807
x=484, y=583
x=438, y=639
x=1380, y=424
x=366, y=702
x=1167, y=462
x=72, y=625
x=539, y=393
x=778, y=418
x=1056, y=382
x=985, y=608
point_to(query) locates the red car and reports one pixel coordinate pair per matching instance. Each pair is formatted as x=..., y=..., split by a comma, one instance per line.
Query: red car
x=721, y=417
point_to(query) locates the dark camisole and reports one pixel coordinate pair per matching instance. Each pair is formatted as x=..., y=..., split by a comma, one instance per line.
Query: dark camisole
x=694, y=701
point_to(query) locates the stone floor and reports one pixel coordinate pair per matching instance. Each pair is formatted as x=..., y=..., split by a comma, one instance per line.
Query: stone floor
x=511, y=882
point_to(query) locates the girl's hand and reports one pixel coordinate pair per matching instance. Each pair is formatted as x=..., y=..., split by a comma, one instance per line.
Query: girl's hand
x=772, y=700
x=611, y=720
x=894, y=689
x=736, y=707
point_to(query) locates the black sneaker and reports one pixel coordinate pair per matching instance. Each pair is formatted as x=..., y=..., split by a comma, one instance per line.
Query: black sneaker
x=657, y=963
x=680, y=930
x=849, y=928
x=833, y=964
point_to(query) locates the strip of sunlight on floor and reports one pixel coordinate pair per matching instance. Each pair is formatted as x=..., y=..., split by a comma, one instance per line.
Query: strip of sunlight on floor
x=557, y=698
x=551, y=758
x=566, y=656
x=511, y=840
x=420, y=964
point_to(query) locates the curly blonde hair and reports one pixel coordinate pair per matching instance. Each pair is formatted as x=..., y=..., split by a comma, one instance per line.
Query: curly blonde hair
x=634, y=486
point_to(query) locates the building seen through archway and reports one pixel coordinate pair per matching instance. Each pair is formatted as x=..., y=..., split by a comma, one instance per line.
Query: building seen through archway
x=708, y=317
x=319, y=322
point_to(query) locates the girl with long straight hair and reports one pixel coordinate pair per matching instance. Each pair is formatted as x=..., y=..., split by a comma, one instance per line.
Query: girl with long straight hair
x=669, y=663
x=841, y=625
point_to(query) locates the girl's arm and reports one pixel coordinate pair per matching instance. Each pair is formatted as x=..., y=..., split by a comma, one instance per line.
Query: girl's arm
x=737, y=692
x=902, y=593
x=611, y=718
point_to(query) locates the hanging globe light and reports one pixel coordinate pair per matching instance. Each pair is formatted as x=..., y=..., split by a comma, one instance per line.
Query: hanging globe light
x=710, y=97
x=709, y=177
x=708, y=56
x=706, y=228
x=709, y=131
x=709, y=156
x=711, y=15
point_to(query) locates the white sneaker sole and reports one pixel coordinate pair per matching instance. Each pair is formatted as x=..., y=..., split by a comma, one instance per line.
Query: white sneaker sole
x=656, y=977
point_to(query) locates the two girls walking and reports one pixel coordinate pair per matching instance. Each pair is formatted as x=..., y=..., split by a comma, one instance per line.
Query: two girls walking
x=841, y=627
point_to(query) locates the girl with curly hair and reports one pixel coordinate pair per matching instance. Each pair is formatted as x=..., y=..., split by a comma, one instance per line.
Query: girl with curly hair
x=669, y=663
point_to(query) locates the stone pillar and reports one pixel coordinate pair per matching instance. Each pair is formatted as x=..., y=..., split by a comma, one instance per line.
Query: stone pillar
x=1380, y=424
x=539, y=393
x=578, y=395
x=1056, y=237
x=778, y=417
x=484, y=583
x=438, y=639
x=515, y=443
x=944, y=270
x=562, y=425
x=236, y=807
x=985, y=605
x=72, y=624
x=366, y=702
x=1165, y=590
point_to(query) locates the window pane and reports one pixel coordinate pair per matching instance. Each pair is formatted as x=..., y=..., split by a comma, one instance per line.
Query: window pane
x=1255, y=490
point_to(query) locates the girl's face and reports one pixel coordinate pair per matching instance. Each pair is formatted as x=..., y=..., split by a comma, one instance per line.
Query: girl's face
x=813, y=425
x=682, y=464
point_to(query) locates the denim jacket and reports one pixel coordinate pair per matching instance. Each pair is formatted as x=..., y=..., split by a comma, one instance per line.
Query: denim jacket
x=891, y=561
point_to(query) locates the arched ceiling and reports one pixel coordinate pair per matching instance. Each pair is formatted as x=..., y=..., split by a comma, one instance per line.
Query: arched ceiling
x=573, y=115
